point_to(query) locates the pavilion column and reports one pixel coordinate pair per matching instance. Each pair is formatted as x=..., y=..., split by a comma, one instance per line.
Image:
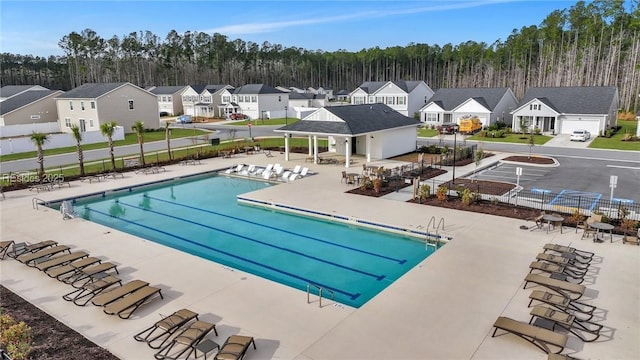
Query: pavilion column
x=286, y=147
x=310, y=145
x=369, y=144
x=347, y=152
x=315, y=149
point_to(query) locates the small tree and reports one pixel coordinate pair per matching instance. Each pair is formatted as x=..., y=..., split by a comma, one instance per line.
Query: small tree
x=138, y=128
x=167, y=135
x=39, y=139
x=532, y=142
x=107, y=129
x=77, y=136
x=478, y=155
x=15, y=337
x=524, y=125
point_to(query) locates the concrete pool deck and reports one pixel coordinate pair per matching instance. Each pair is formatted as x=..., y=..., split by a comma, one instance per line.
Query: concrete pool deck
x=444, y=308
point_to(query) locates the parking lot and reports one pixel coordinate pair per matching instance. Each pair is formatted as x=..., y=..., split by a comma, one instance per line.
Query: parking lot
x=583, y=177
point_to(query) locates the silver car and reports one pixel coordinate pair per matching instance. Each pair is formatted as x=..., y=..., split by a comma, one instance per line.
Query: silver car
x=580, y=135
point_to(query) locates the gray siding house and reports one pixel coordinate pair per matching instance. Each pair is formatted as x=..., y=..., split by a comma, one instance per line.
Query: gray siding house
x=30, y=107
x=92, y=104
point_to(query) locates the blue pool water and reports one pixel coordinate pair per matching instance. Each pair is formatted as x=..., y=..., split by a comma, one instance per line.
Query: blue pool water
x=202, y=216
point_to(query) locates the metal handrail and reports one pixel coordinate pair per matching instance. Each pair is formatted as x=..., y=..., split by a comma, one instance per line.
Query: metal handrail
x=34, y=202
x=320, y=291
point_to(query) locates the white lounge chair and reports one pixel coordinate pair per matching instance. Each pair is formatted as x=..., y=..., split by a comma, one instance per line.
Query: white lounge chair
x=235, y=169
x=297, y=169
x=262, y=170
x=285, y=175
x=248, y=171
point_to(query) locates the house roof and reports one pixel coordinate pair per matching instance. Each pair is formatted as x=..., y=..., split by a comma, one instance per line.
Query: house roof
x=198, y=88
x=10, y=90
x=342, y=92
x=23, y=99
x=575, y=99
x=215, y=88
x=305, y=96
x=90, y=90
x=450, y=98
x=371, y=87
x=257, y=89
x=166, y=90
x=356, y=120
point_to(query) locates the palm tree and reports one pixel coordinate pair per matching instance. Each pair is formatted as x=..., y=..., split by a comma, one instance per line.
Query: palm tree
x=107, y=129
x=77, y=136
x=167, y=134
x=138, y=128
x=39, y=139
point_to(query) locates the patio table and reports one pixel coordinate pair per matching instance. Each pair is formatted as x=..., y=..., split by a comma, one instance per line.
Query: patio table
x=553, y=220
x=601, y=228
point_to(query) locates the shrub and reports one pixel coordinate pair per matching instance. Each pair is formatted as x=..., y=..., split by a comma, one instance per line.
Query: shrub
x=483, y=133
x=475, y=197
x=576, y=217
x=442, y=193
x=377, y=184
x=465, y=196
x=425, y=191
x=15, y=337
x=537, y=131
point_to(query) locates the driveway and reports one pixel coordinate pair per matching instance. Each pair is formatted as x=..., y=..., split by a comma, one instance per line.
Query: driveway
x=563, y=140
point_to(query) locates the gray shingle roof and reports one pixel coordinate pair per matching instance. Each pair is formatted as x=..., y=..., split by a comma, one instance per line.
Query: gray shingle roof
x=198, y=88
x=10, y=90
x=371, y=87
x=90, y=90
x=166, y=90
x=215, y=88
x=26, y=98
x=574, y=100
x=305, y=96
x=357, y=120
x=257, y=89
x=449, y=98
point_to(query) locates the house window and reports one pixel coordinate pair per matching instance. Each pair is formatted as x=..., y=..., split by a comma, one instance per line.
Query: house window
x=371, y=99
x=389, y=100
x=535, y=107
x=400, y=100
x=379, y=100
x=70, y=105
x=169, y=99
x=432, y=117
x=67, y=122
x=91, y=123
x=82, y=105
x=254, y=99
x=93, y=105
x=130, y=104
x=247, y=98
x=358, y=100
x=226, y=99
x=159, y=98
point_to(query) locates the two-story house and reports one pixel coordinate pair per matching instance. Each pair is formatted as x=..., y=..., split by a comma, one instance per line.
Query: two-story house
x=92, y=104
x=191, y=98
x=449, y=105
x=169, y=99
x=405, y=97
x=210, y=101
x=307, y=100
x=561, y=110
x=253, y=100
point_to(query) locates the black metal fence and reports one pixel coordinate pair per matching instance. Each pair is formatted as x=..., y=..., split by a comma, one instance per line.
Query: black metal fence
x=548, y=201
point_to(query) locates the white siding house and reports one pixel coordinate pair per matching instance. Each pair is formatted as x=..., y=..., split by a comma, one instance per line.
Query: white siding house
x=253, y=100
x=169, y=99
x=561, y=110
x=487, y=104
x=405, y=97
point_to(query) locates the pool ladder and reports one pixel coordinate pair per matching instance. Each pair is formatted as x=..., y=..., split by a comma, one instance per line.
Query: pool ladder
x=434, y=239
x=320, y=291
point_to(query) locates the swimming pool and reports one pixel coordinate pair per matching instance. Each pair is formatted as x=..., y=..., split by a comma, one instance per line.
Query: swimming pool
x=202, y=216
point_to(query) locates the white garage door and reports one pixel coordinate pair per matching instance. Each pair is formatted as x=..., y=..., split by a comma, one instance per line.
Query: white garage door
x=568, y=126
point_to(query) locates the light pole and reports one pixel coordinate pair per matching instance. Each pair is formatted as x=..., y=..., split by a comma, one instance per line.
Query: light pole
x=286, y=115
x=453, y=181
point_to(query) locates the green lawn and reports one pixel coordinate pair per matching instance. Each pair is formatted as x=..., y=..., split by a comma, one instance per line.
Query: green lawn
x=422, y=132
x=513, y=139
x=128, y=140
x=615, y=142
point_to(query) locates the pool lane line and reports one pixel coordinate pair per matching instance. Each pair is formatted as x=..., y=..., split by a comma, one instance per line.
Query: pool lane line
x=377, y=277
x=399, y=261
x=350, y=295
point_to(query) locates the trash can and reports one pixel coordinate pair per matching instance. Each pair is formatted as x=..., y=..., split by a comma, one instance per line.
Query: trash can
x=215, y=141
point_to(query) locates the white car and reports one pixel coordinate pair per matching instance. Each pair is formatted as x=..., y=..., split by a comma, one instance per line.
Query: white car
x=580, y=135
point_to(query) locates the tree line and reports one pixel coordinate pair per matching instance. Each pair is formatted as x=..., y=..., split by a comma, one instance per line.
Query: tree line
x=587, y=44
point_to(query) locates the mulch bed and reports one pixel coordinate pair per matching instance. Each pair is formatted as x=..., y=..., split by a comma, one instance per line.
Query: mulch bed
x=51, y=339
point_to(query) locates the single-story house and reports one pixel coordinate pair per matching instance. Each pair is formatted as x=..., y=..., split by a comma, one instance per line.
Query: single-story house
x=561, y=110
x=450, y=105
x=374, y=130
